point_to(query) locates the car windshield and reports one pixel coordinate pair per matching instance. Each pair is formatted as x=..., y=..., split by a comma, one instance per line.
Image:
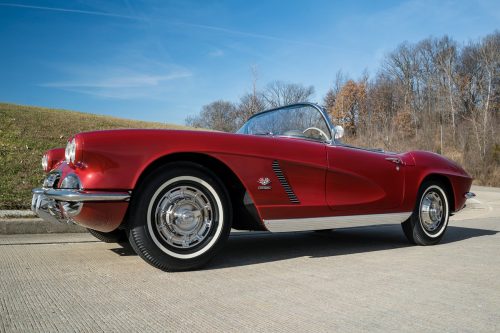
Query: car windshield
x=301, y=121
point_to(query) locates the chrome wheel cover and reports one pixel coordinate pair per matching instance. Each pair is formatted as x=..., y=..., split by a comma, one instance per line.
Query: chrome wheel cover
x=184, y=217
x=431, y=211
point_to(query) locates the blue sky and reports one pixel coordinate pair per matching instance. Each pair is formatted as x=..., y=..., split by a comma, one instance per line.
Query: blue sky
x=163, y=60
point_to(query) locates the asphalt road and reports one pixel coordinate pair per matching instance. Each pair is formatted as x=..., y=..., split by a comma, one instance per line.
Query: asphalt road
x=365, y=279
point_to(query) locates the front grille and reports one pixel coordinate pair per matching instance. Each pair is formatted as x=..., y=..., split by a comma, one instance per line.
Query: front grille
x=52, y=180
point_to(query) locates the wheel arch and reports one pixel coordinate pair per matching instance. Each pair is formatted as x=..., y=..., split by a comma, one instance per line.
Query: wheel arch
x=244, y=217
x=447, y=184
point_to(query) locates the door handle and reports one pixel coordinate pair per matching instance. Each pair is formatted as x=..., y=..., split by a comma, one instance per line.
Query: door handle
x=396, y=160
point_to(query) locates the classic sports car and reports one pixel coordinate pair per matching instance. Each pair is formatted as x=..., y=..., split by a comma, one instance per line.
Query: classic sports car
x=176, y=194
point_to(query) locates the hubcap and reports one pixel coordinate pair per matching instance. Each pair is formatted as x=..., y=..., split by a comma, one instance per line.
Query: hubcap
x=431, y=211
x=184, y=217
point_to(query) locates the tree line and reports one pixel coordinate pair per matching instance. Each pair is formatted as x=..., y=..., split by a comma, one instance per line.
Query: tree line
x=229, y=117
x=435, y=94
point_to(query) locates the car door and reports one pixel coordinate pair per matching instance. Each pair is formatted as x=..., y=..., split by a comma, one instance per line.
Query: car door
x=362, y=181
x=284, y=176
x=298, y=180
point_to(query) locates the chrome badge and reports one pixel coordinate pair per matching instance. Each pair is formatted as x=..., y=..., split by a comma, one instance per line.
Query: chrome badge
x=264, y=183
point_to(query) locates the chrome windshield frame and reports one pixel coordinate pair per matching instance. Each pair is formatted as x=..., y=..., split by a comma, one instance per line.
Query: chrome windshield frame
x=320, y=109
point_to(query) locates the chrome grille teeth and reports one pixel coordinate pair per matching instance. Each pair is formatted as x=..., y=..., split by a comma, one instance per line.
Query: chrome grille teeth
x=284, y=182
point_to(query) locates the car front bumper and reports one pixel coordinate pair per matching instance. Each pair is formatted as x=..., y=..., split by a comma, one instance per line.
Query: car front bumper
x=68, y=206
x=469, y=195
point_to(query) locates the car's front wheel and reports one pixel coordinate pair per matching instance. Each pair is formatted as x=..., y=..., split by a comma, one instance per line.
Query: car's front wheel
x=180, y=217
x=428, y=222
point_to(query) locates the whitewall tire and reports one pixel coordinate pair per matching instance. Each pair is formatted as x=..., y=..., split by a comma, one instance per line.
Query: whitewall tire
x=180, y=217
x=429, y=220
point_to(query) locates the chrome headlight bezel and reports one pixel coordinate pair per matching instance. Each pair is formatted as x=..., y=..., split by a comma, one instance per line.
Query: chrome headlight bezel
x=45, y=162
x=71, y=181
x=70, y=151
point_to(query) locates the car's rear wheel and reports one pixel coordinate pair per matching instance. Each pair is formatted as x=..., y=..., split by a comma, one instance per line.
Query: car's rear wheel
x=115, y=236
x=428, y=222
x=180, y=217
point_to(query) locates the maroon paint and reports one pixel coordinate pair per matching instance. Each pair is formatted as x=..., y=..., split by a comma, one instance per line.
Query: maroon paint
x=328, y=180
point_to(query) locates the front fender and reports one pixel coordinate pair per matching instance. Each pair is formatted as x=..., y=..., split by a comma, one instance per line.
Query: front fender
x=428, y=165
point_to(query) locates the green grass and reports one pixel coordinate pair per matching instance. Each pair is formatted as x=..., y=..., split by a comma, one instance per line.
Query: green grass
x=26, y=132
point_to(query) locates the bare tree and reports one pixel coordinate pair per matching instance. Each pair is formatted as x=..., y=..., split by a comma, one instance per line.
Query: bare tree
x=448, y=94
x=350, y=105
x=445, y=59
x=402, y=65
x=433, y=95
x=279, y=93
x=329, y=99
x=381, y=103
x=488, y=57
x=226, y=116
x=249, y=105
x=219, y=115
x=332, y=93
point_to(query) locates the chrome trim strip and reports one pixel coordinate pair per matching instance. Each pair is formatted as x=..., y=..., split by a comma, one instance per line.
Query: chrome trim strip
x=335, y=222
x=69, y=195
x=469, y=195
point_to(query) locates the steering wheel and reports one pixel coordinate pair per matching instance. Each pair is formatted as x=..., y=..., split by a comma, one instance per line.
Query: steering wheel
x=311, y=131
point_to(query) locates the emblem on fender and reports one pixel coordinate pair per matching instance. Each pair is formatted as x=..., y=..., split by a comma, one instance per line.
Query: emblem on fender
x=264, y=183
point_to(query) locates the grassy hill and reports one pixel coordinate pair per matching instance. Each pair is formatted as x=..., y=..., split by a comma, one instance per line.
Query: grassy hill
x=26, y=132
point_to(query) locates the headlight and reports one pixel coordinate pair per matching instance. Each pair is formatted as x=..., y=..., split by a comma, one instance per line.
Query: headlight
x=71, y=181
x=45, y=163
x=70, y=151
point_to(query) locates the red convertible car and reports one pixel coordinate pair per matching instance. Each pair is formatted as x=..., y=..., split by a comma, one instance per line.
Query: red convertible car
x=176, y=194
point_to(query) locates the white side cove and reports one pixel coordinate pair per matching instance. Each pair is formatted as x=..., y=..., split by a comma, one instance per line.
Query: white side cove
x=335, y=222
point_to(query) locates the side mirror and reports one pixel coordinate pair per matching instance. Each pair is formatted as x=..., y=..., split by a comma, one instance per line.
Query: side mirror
x=338, y=132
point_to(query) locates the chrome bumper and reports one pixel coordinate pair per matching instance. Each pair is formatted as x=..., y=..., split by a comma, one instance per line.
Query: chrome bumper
x=61, y=205
x=469, y=195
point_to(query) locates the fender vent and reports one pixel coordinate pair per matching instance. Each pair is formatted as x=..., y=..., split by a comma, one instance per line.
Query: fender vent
x=284, y=182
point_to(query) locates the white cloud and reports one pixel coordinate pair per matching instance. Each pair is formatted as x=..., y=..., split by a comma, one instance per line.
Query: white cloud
x=70, y=10
x=250, y=34
x=118, y=83
x=126, y=81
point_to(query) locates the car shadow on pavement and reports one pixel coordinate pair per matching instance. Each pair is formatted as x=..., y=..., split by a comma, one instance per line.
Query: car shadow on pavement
x=249, y=248
x=125, y=250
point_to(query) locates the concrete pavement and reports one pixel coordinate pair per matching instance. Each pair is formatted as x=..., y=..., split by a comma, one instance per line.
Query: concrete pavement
x=365, y=279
